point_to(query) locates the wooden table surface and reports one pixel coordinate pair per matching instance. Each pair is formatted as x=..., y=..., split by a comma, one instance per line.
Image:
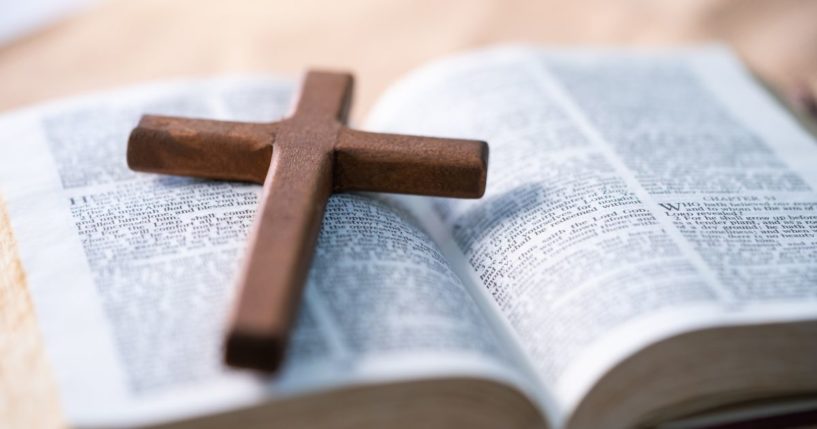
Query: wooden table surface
x=120, y=42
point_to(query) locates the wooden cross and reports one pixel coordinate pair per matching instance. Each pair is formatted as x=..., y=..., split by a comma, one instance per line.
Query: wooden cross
x=301, y=160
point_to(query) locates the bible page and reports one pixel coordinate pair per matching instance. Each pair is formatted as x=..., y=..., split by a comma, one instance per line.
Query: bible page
x=132, y=274
x=631, y=197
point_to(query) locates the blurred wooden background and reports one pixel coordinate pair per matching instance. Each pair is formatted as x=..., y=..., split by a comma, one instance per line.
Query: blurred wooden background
x=118, y=42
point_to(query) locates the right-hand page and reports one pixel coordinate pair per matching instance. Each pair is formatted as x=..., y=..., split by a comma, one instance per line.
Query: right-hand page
x=631, y=196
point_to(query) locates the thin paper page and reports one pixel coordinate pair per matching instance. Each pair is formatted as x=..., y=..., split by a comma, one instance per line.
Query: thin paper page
x=579, y=240
x=132, y=274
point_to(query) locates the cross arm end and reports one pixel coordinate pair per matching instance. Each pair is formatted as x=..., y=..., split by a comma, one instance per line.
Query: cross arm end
x=409, y=164
x=201, y=148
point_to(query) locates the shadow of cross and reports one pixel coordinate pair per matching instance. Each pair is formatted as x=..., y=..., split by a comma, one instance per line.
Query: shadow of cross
x=301, y=160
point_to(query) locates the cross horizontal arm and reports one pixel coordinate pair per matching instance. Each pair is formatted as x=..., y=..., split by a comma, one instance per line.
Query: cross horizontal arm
x=410, y=165
x=201, y=148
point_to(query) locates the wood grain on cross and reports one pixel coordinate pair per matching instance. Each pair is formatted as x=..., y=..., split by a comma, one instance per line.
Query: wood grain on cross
x=300, y=160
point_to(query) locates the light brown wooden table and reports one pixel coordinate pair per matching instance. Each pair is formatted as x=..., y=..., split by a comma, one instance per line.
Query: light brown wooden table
x=120, y=42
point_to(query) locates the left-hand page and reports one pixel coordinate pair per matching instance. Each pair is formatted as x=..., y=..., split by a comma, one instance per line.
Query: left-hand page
x=131, y=273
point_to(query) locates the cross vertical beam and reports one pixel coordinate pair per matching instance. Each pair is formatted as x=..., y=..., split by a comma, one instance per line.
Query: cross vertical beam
x=278, y=256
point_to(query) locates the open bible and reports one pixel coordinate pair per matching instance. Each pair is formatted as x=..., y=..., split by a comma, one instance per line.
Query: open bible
x=645, y=254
